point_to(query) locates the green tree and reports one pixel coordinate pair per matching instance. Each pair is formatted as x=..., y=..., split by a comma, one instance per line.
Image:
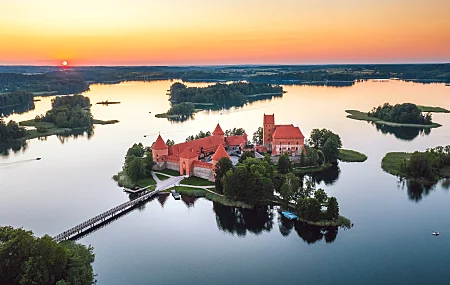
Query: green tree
x=170, y=142
x=332, y=208
x=235, y=132
x=318, y=138
x=321, y=196
x=302, y=161
x=135, y=168
x=284, y=164
x=321, y=157
x=222, y=167
x=331, y=150
x=312, y=157
x=290, y=188
x=148, y=162
x=136, y=150
x=245, y=155
x=258, y=136
x=312, y=209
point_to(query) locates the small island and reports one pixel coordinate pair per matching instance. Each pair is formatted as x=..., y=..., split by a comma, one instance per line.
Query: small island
x=423, y=167
x=400, y=115
x=185, y=99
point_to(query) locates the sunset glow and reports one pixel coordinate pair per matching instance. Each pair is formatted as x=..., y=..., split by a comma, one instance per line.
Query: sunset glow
x=137, y=32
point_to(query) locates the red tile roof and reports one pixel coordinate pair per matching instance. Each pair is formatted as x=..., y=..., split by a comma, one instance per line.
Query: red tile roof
x=269, y=119
x=261, y=148
x=189, y=153
x=220, y=152
x=235, y=140
x=287, y=132
x=218, y=131
x=209, y=144
x=159, y=143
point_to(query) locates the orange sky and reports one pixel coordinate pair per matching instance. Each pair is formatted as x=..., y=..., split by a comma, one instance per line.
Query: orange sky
x=171, y=32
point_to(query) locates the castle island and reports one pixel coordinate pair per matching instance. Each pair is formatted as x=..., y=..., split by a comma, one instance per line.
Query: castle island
x=199, y=157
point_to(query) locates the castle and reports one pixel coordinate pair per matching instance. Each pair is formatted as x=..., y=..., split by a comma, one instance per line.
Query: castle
x=191, y=158
x=280, y=139
x=199, y=157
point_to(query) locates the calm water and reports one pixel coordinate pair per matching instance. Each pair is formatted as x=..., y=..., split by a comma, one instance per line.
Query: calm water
x=199, y=242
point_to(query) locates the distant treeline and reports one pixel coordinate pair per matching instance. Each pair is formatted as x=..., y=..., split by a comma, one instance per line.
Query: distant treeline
x=15, y=98
x=406, y=113
x=221, y=94
x=61, y=82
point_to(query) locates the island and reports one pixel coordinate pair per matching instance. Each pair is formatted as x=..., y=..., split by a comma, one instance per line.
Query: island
x=185, y=99
x=399, y=115
x=226, y=168
x=68, y=114
x=27, y=259
x=424, y=167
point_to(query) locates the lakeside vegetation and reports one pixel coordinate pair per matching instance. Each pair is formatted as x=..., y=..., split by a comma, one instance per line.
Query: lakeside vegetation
x=10, y=131
x=27, y=259
x=16, y=98
x=363, y=116
x=425, y=167
x=348, y=155
x=234, y=94
x=137, y=168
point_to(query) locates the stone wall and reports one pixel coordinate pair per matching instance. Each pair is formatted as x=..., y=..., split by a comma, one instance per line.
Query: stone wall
x=202, y=172
x=159, y=166
x=173, y=166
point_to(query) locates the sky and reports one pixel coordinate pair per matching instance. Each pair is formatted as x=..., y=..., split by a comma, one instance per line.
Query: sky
x=209, y=32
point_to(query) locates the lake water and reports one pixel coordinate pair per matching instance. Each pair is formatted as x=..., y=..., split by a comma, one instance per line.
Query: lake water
x=195, y=241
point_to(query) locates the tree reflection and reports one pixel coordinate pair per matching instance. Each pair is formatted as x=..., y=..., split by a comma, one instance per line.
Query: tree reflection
x=239, y=221
x=188, y=200
x=20, y=109
x=75, y=134
x=329, y=176
x=417, y=190
x=15, y=147
x=402, y=133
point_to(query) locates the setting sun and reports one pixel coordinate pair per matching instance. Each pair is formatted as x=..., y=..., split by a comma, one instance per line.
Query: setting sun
x=64, y=63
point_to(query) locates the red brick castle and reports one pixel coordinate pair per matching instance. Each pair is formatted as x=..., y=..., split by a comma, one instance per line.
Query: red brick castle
x=281, y=139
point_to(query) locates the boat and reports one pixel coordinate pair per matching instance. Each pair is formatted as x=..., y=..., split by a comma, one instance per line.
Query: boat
x=175, y=195
x=436, y=233
x=288, y=215
x=447, y=84
x=107, y=102
x=38, y=158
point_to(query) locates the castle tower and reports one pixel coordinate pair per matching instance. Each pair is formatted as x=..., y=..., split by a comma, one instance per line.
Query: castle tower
x=268, y=129
x=219, y=132
x=160, y=150
x=187, y=158
x=220, y=152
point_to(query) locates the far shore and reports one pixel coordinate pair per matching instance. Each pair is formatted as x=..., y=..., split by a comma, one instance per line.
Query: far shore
x=362, y=116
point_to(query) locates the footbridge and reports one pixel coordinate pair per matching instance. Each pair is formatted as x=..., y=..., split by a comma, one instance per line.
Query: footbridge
x=118, y=210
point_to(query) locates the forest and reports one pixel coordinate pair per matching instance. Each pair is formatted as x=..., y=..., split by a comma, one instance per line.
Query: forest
x=406, y=113
x=26, y=259
x=16, y=98
x=10, y=131
x=221, y=94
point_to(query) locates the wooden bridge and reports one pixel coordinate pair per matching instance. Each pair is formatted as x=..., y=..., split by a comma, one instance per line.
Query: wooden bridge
x=118, y=210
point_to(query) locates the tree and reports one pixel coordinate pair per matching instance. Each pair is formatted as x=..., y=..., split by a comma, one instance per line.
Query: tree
x=135, y=168
x=312, y=157
x=284, y=164
x=321, y=157
x=321, y=196
x=332, y=208
x=331, y=150
x=148, y=162
x=245, y=155
x=424, y=165
x=318, y=138
x=136, y=150
x=290, y=187
x=258, y=136
x=170, y=142
x=302, y=161
x=312, y=209
x=222, y=167
x=235, y=132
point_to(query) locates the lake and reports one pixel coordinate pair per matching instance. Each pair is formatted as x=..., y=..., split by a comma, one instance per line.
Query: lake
x=195, y=241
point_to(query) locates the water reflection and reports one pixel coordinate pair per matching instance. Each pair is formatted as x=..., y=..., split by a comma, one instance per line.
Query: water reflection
x=417, y=191
x=20, y=109
x=15, y=147
x=402, y=133
x=328, y=176
x=309, y=234
x=75, y=134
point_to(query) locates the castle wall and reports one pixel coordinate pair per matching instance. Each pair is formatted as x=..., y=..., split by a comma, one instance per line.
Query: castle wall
x=202, y=172
x=172, y=165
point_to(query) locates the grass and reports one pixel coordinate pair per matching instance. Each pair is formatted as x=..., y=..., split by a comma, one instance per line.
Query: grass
x=392, y=162
x=429, y=109
x=195, y=181
x=341, y=221
x=146, y=182
x=362, y=116
x=170, y=172
x=311, y=169
x=348, y=155
x=161, y=177
x=198, y=192
x=46, y=129
x=107, y=122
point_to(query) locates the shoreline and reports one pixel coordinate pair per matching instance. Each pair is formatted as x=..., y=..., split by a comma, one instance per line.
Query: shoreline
x=361, y=116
